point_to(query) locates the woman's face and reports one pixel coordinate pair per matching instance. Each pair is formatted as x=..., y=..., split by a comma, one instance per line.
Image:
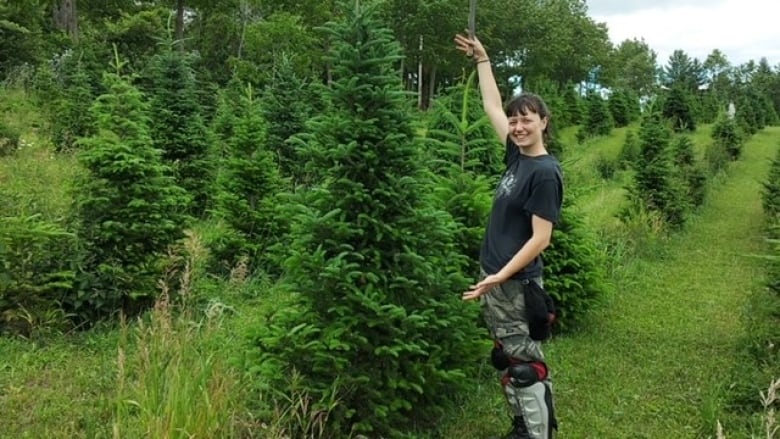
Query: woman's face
x=527, y=130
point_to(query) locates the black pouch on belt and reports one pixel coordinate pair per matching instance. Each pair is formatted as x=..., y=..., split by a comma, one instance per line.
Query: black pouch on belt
x=540, y=311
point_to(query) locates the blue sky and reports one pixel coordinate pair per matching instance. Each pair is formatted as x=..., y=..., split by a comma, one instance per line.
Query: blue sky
x=741, y=29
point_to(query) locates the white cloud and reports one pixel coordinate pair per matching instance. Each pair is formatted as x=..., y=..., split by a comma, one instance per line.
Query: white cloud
x=742, y=29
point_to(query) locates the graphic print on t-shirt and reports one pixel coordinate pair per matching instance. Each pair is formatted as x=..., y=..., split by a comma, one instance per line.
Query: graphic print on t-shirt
x=506, y=185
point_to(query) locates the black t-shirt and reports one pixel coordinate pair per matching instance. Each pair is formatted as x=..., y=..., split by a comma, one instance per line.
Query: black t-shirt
x=529, y=186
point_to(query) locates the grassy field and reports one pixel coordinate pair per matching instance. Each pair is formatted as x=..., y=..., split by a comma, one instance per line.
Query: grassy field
x=652, y=362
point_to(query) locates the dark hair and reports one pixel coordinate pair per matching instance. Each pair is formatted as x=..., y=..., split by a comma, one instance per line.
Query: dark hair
x=525, y=102
x=530, y=102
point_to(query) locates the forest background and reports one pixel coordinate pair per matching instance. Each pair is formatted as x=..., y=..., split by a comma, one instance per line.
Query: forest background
x=257, y=216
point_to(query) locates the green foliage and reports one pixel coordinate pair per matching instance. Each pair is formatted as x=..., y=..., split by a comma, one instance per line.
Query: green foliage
x=136, y=34
x=372, y=273
x=606, y=167
x=35, y=271
x=9, y=139
x=693, y=175
x=598, y=121
x=629, y=153
x=459, y=133
x=288, y=101
x=177, y=126
x=165, y=385
x=632, y=67
x=677, y=108
x=708, y=106
x=770, y=195
x=128, y=210
x=574, y=267
x=656, y=186
x=621, y=108
x=572, y=114
x=465, y=159
x=280, y=36
x=246, y=189
x=725, y=134
x=683, y=72
x=25, y=33
x=69, y=113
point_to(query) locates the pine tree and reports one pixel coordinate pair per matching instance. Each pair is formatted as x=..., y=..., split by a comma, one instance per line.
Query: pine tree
x=128, y=208
x=70, y=116
x=619, y=108
x=677, y=108
x=598, y=121
x=458, y=132
x=573, y=109
x=177, y=125
x=466, y=162
x=574, y=272
x=770, y=194
x=629, y=153
x=372, y=268
x=246, y=188
x=725, y=135
x=655, y=186
x=287, y=103
x=689, y=171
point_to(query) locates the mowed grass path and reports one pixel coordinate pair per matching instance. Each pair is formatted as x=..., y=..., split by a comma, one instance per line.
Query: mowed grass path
x=652, y=363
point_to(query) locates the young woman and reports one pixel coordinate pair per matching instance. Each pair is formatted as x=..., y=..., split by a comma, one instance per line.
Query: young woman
x=527, y=204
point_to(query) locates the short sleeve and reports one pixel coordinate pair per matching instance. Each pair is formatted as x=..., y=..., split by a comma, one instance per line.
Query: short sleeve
x=546, y=197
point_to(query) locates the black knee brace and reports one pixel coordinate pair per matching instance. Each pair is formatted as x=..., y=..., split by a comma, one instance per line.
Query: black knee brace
x=523, y=375
x=499, y=358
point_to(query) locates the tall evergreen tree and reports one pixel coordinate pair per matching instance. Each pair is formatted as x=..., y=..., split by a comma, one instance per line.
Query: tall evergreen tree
x=619, y=108
x=655, y=186
x=573, y=109
x=574, y=268
x=598, y=121
x=287, y=103
x=372, y=268
x=246, y=189
x=677, y=108
x=69, y=116
x=689, y=171
x=128, y=208
x=726, y=136
x=464, y=156
x=177, y=126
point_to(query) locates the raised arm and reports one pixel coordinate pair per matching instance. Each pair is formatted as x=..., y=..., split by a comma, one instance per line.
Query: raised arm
x=491, y=97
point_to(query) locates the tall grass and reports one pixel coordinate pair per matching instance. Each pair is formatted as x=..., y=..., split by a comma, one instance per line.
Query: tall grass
x=769, y=401
x=171, y=382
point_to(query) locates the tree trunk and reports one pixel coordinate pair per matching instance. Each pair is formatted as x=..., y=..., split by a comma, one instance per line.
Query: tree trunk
x=403, y=75
x=179, y=30
x=66, y=18
x=431, y=88
x=420, y=77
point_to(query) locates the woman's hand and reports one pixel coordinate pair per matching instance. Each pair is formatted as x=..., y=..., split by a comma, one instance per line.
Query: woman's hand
x=471, y=47
x=485, y=285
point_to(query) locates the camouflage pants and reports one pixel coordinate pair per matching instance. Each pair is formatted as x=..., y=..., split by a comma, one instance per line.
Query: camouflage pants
x=503, y=309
